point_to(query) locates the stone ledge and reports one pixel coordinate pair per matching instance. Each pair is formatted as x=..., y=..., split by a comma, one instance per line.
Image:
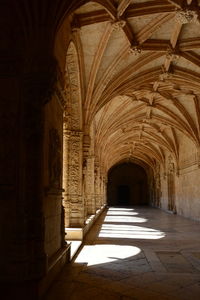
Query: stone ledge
x=75, y=236
x=79, y=233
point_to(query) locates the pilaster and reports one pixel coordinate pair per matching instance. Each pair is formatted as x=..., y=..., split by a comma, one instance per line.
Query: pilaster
x=97, y=186
x=89, y=185
x=73, y=199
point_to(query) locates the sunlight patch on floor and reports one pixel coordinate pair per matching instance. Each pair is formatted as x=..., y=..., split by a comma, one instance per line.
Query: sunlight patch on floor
x=129, y=232
x=124, y=219
x=121, y=209
x=129, y=212
x=100, y=254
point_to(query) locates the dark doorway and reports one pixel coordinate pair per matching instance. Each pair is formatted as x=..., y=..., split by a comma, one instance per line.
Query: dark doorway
x=127, y=185
x=123, y=194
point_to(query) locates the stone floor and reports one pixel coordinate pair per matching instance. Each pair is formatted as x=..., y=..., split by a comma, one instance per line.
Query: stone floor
x=134, y=253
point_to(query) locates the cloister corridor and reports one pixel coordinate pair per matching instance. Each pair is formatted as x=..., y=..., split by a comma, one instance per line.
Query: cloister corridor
x=134, y=253
x=100, y=149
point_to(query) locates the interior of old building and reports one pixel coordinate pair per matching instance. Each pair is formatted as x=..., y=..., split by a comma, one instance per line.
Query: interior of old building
x=100, y=106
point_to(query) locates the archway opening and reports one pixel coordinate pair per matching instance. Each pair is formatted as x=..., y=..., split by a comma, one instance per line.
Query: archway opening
x=127, y=185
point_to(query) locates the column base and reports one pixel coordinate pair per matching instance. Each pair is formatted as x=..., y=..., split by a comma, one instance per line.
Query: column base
x=78, y=233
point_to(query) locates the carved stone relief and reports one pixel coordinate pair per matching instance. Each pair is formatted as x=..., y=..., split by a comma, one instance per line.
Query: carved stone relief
x=89, y=185
x=157, y=186
x=118, y=25
x=186, y=16
x=74, y=163
x=73, y=88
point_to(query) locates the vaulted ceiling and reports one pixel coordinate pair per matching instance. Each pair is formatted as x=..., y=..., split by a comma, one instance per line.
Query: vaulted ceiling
x=140, y=73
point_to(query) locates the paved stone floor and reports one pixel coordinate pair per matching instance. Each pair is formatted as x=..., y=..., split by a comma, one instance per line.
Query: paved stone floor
x=134, y=253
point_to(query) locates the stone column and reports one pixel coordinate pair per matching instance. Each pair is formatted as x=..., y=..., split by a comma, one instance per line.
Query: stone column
x=171, y=186
x=89, y=186
x=97, y=187
x=66, y=202
x=73, y=191
x=156, y=200
x=104, y=190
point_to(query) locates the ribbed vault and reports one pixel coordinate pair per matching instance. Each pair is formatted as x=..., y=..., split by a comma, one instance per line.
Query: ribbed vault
x=139, y=65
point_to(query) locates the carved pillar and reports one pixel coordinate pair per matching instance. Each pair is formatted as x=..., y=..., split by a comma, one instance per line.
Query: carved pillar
x=75, y=203
x=171, y=186
x=88, y=177
x=97, y=187
x=157, y=186
x=89, y=186
x=100, y=190
x=66, y=202
x=104, y=190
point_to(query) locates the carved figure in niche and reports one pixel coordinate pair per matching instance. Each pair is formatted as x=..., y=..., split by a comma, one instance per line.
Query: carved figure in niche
x=55, y=166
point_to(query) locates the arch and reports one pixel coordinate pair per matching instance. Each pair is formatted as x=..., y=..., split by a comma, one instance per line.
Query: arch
x=128, y=185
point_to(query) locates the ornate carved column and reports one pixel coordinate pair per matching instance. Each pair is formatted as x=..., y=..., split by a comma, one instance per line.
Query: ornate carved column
x=74, y=197
x=88, y=176
x=66, y=202
x=157, y=186
x=97, y=186
x=171, y=185
x=102, y=190
x=89, y=185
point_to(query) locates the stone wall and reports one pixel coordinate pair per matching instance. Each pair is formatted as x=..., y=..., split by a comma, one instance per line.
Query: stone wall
x=188, y=193
x=186, y=181
x=52, y=203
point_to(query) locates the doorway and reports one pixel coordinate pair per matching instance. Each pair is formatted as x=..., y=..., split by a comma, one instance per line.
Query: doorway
x=123, y=195
x=127, y=185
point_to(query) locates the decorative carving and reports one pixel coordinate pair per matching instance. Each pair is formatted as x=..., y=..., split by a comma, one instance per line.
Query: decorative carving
x=136, y=50
x=118, y=25
x=157, y=185
x=165, y=75
x=186, y=16
x=55, y=166
x=73, y=88
x=74, y=162
x=172, y=55
x=171, y=185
